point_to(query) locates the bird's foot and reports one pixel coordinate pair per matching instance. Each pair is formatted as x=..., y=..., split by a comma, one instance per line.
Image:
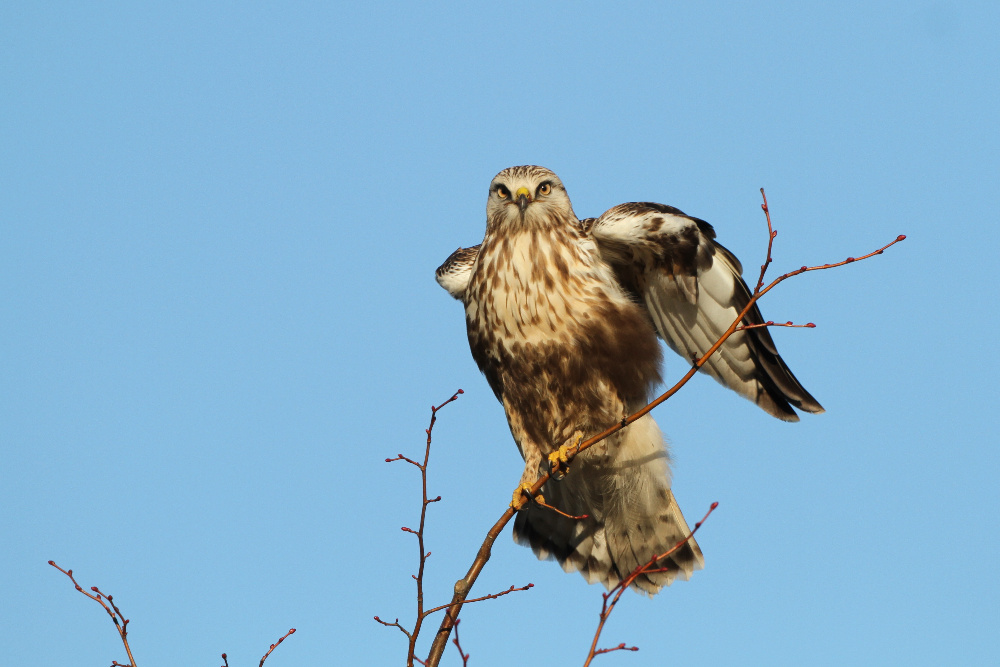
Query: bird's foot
x=524, y=490
x=559, y=459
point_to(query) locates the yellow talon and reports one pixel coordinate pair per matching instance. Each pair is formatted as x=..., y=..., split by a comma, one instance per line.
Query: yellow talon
x=524, y=490
x=559, y=459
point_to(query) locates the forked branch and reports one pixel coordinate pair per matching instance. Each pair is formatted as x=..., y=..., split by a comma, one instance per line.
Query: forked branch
x=121, y=623
x=412, y=635
x=106, y=601
x=464, y=585
x=616, y=592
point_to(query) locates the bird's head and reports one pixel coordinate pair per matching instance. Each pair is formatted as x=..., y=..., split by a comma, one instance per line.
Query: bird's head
x=527, y=197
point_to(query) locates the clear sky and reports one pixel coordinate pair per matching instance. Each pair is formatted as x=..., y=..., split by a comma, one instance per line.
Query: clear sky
x=219, y=224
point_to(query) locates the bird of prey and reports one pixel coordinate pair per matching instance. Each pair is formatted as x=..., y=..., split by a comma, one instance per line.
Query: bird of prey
x=563, y=317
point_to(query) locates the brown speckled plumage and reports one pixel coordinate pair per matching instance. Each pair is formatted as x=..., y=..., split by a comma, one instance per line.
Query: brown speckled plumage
x=562, y=318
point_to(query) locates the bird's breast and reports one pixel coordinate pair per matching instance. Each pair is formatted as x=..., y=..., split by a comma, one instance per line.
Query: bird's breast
x=530, y=289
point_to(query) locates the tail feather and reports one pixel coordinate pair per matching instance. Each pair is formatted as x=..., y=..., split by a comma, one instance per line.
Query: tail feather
x=631, y=516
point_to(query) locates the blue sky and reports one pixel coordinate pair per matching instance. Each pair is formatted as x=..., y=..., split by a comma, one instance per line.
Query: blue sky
x=218, y=230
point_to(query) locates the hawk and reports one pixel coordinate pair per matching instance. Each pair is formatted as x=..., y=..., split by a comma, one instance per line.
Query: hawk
x=563, y=317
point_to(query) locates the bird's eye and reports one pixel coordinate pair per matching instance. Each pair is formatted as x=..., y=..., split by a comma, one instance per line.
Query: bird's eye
x=502, y=192
x=545, y=188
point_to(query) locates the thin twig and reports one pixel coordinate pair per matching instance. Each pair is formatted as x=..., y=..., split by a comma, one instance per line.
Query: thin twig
x=419, y=533
x=464, y=585
x=491, y=596
x=616, y=591
x=542, y=503
x=121, y=623
x=769, y=323
x=275, y=645
x=458, y=645
x=620, y=647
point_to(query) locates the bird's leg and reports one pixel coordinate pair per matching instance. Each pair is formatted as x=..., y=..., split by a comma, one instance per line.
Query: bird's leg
x=559, y=459
x=532, y=459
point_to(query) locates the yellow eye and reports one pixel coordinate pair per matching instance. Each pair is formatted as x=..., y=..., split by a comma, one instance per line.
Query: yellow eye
x=502, y=192
x=544, y=188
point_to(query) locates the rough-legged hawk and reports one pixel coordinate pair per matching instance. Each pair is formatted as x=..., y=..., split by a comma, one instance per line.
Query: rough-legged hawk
x=562, y=317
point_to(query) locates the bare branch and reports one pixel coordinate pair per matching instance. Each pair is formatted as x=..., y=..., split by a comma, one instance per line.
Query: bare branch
x=464, y=585
x=769, y=323
x=491, y=596
x=620, y=647
x=419, y=533
x=458, y=645
x=616, y=592
x=121, y=623
x=275, y=645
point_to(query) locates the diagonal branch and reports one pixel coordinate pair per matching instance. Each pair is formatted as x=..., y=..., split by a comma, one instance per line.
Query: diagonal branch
x=121, y=623
x=616, y=592
x=464, y=585
x=275, y=645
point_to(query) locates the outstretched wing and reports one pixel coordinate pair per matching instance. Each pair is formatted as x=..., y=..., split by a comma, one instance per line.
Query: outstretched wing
x=693, y=290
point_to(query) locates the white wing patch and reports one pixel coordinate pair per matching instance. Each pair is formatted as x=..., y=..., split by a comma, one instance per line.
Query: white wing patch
x=693, y=290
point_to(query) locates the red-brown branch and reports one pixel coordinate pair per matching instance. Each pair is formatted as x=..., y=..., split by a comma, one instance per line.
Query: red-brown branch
x=121, y=623
x=620, y=647
x=542, y=503
x=491, y=596
x=275, y=645
x=769, y=323
x=464, y=585
x=419, y=533
x=458, y=645
x=616, y=592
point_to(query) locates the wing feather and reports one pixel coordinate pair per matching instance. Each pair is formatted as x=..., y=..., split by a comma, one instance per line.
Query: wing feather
x=456, y=271
x=693, y=290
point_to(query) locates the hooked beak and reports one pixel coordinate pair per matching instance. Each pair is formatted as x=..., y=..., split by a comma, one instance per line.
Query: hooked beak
x=523, y=198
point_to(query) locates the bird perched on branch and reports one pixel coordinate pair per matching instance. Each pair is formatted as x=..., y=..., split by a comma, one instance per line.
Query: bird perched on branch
x=563, y=316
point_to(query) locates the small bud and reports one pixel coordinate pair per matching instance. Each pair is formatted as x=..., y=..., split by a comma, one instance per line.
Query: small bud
x=803, y=268
x=460, y=391
x=94, y=588
x=849, y=259
x=714, y=505
x=224, y=657
x=769, y=322
x=789, y=323
x=292, y=631
x=811, y=325
x=901, y=237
